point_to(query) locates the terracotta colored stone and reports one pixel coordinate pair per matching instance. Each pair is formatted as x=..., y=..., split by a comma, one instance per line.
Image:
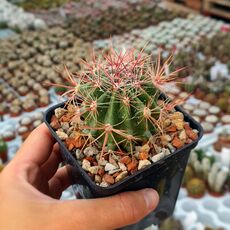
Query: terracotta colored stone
x=171, y=128
x=101, y=172
x=132, y=165
x=116, y=174
x=187, y=127
x=177, y=142
x=90, y=159
x=108, y=179
x=125, y=160
x=143, y=156
x=79, y=143
x=73, y=142
x=70, y=143
x=191, y=134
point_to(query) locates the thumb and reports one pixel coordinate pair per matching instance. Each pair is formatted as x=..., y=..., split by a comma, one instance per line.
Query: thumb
x=112, y=212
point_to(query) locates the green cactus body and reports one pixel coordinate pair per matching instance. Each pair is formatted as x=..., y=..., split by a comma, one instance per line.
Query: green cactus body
x=3, y=150
x=119, y=94
x=121, y=114
x=189, y=174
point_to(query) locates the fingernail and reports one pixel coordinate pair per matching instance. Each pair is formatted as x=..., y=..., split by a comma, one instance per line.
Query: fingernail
x=151, y=198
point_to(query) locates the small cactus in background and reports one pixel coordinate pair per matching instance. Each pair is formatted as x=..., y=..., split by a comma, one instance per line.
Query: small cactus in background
x=188, y=175
x=3, y=150
x=170, y=224
x=217, y=177
x=196, y=188
x=1, y=165
x=119, y=95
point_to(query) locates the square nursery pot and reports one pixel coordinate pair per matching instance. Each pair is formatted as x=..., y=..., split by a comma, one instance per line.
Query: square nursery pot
x=165, y=176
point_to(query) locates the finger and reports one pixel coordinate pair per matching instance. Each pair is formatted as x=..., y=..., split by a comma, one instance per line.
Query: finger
x=50, y=167
x=37, y=147
x=60, y=181
x=112, y=212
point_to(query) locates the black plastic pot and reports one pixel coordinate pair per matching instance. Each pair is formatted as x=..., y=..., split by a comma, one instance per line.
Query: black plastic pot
x=165, y=176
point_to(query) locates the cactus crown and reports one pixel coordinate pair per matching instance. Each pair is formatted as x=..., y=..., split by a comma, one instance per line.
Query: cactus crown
x=119, y=93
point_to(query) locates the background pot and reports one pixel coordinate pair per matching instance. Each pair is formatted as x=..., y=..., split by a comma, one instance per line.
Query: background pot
x=165, y=175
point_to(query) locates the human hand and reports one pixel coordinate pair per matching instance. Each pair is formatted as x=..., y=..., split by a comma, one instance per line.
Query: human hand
x=32, y=183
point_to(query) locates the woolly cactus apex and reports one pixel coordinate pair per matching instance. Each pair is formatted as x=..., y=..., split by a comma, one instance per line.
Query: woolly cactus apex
x=119, y=93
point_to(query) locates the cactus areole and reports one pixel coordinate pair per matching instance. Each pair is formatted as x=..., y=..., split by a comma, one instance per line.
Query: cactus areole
x=119, y=93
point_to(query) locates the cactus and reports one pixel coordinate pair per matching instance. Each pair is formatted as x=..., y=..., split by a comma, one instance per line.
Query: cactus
x=1, y=165
x=171, y=223
x=119, y=93
x=217, y=178
x=196, y=188
x=3, y=150
x=188, y=175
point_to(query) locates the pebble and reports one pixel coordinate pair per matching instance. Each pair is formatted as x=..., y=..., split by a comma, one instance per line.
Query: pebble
x=86, y=165
x=143, y=163
x=158, y=157
x=59, y=112
x=132, y=165
x=79, y=154
x=90, y=151
x=177, y=143
x=166, y=151
x=121, y=176
x=145, y=148
x=112, y=161
x=171, y=148
x=108, y=179
x=122, y=166
x=137, y=149
x=65, y=126
x=143, y=155
x=102, y=162
x=62, y=135
x=109, y=167
x=97, y=179
x=54, y=123
x=111, y=172
x=125, y=160
x=182, y=135
x=94, y=169
x=104, y=184
x=167, y=122
x=179, y=124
